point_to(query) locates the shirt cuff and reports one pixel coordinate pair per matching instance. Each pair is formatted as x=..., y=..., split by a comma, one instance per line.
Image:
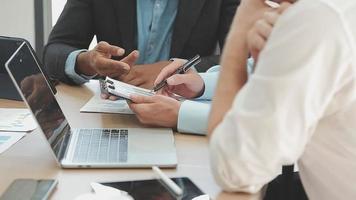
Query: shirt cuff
x=210, y=81
x=70, y=68
x=193, y=117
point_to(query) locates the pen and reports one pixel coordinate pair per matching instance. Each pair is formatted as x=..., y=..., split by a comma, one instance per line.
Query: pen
x=181, y=70
x=167, y=181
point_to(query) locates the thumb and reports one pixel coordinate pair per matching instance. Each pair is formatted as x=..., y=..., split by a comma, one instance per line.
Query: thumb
x=131, y=58
x=169, y=70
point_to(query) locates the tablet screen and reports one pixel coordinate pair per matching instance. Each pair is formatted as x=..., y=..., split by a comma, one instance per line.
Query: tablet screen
x=7, y=89
x=154, y=190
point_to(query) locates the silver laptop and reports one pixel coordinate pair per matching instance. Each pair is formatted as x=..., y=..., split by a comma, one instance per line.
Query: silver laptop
x=86, y=148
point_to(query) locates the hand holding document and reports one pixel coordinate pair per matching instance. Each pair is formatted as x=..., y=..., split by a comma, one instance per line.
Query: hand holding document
x=98, y=105
x=125, y=90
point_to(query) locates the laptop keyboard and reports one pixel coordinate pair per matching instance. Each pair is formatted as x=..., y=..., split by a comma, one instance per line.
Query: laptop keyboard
x=101, y=146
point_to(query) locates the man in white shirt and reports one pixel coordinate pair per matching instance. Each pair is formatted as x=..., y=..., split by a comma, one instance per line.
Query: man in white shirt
x=298, y=106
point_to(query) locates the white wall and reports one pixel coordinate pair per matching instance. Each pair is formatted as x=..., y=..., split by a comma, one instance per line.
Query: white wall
x=57, y=7
x=17, y=19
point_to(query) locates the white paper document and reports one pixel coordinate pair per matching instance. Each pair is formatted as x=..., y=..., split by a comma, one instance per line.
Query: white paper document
x=7, y=139
x=14, y=119
x=98, y=105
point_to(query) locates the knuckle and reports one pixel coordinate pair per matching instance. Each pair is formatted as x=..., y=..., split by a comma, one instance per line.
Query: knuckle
x=98, y=63
x=100, y=45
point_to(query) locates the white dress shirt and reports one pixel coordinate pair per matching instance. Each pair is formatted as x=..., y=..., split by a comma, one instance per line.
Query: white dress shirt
x=298, y=106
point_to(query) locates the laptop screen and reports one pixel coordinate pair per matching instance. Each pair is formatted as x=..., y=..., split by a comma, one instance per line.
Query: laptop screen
x=7, y=47
x=28, y=76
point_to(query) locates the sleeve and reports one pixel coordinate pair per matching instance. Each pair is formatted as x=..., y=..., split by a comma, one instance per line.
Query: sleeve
x=73, y=31
x=193, y=117
x=273, y=117
x=210, y=81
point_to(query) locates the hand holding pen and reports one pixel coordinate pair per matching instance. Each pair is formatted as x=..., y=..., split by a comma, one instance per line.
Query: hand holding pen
x=178, y=79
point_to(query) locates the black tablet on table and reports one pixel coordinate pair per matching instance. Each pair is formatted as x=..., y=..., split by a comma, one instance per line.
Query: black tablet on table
x=155, y=190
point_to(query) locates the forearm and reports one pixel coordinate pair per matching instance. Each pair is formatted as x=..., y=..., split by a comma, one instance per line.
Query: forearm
x=233, y=73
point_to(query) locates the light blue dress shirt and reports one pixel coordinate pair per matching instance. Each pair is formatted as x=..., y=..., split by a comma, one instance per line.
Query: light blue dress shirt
x=155, y=22
x=194, y=115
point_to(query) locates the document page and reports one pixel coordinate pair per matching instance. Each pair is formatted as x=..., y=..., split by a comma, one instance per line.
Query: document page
x=98, y=105
x=14, y=119
x=7, y=139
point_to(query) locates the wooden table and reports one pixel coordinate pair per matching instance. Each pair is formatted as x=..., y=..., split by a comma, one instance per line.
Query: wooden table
x=32, y=158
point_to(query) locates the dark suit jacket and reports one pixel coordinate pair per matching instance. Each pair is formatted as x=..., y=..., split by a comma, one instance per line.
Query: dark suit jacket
x=199, y=26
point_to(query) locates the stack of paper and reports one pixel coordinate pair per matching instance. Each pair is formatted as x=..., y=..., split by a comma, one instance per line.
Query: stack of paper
x=7, y=139
x=18, y=120
x=98, y=105
x=14, y=123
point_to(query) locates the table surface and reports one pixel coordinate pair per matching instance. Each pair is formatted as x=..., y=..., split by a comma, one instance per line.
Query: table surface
x=31, y=157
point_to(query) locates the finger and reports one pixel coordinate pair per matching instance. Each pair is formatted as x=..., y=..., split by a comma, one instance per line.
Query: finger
x=104, y=96
x=271, y=17
x=142, y=99
x=109, y=67
x=284, y=6
x=113, y=98
x=258, y=42
x=263, y=28
x=169, y=70
x=131, y=58
x=178, y=79
x=136, y=108
x=106, y=48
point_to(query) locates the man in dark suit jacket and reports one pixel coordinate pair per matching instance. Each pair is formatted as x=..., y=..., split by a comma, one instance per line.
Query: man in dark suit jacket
x=198, y=27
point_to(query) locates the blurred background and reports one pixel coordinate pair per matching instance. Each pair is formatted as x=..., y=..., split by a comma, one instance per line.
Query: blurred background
x=30, y=19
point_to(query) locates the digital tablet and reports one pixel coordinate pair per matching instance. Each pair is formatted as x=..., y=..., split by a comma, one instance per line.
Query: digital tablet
x=154, y=189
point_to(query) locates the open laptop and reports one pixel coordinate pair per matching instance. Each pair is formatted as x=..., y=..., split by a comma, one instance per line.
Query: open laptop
x=86, y=148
